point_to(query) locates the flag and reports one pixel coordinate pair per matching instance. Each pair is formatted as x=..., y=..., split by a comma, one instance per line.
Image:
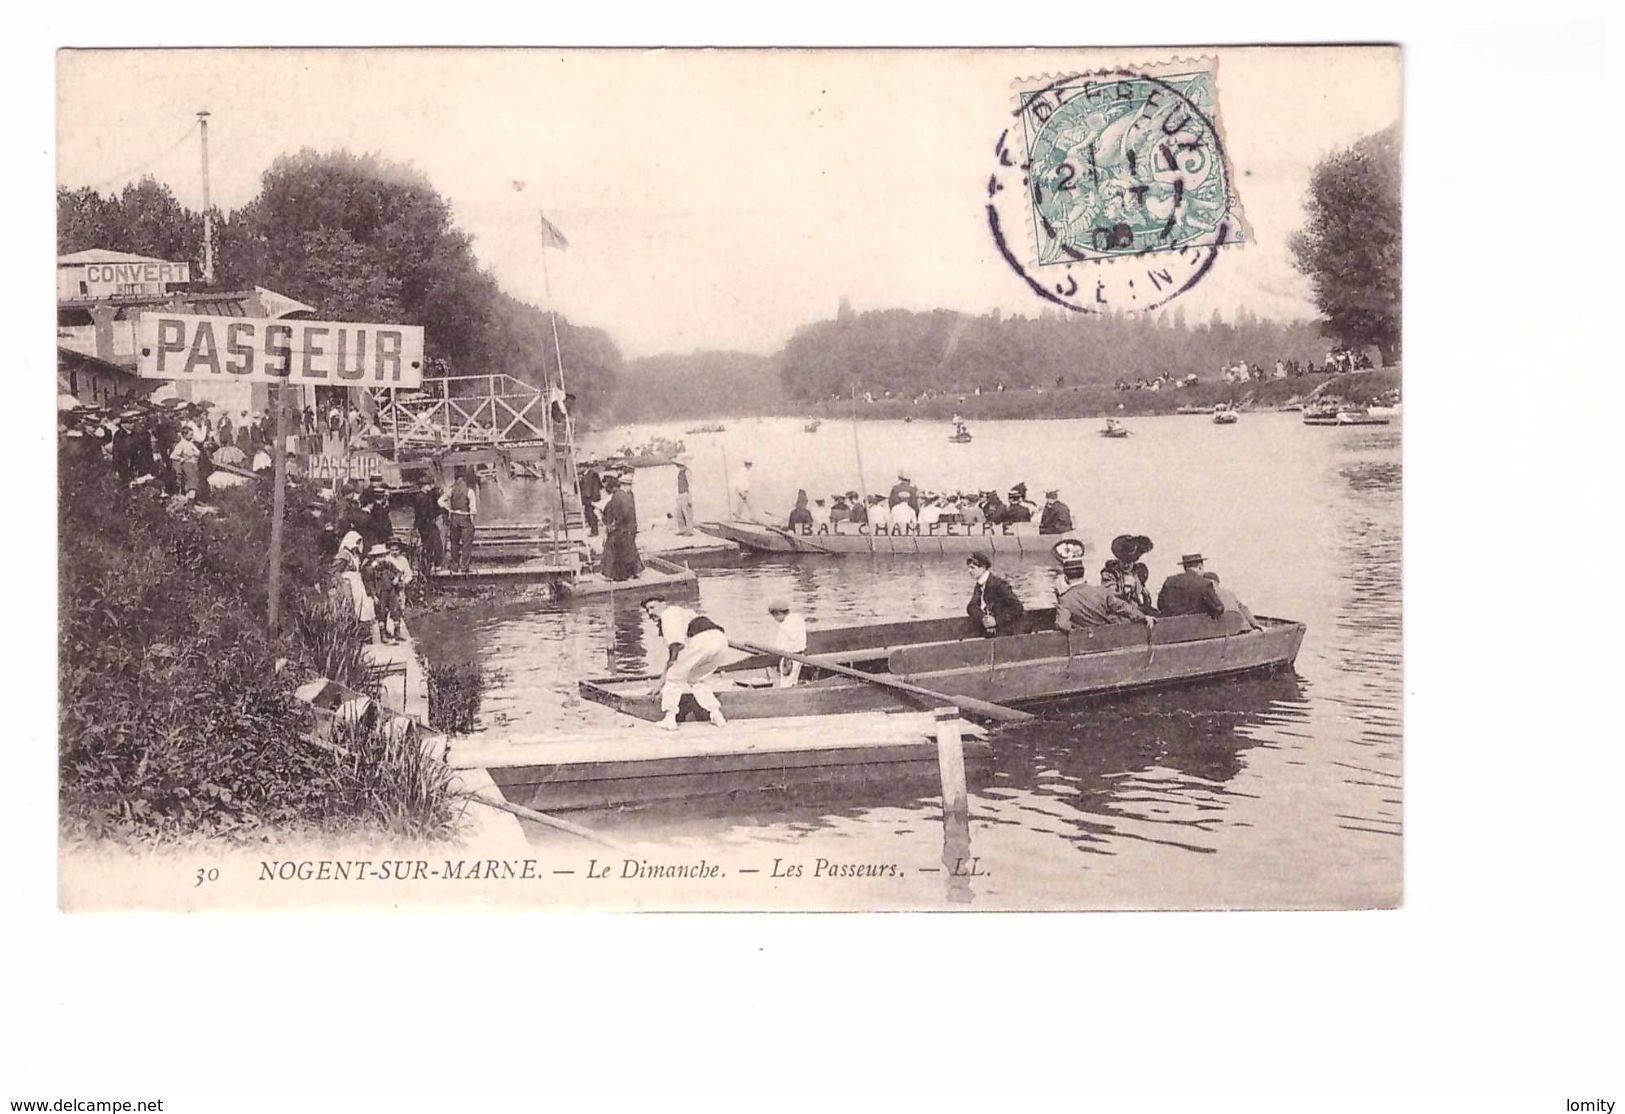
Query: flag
x=551, y=236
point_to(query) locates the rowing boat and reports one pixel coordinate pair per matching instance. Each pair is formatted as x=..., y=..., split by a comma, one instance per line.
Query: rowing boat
x=945, y=656
x=658, y=575
x=937, y=539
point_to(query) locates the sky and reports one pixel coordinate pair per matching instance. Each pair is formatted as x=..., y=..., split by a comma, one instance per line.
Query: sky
x=712, y=199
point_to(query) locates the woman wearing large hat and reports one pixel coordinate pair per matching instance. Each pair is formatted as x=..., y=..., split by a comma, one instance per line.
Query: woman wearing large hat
x=1125, y=575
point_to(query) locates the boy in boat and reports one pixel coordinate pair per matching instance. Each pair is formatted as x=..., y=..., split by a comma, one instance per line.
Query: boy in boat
x=791, y=637
x=1189, y=592
x=695, y=647
x=1081, y=604
x=994, y=609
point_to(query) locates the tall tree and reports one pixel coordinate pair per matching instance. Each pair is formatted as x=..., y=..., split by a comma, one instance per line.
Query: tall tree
x=1350, y=244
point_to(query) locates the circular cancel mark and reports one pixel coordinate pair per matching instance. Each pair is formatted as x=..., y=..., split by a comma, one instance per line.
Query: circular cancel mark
x=1110, y=189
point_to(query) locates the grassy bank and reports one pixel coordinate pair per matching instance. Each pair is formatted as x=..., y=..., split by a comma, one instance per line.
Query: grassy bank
x=1102, y=400
x=177, y=720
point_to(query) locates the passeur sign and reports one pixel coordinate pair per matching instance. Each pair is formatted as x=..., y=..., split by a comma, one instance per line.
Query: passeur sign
x=198, y=348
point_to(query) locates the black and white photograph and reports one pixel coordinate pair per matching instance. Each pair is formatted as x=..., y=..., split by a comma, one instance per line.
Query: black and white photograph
x=959, y=480
x=806, y=559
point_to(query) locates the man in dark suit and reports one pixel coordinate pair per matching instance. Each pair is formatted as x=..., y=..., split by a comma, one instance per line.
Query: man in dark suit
x=1189, y=592
x=993, y=609
x=1057, y=516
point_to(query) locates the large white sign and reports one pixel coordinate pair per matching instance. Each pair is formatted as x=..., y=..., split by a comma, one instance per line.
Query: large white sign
x=196, y=348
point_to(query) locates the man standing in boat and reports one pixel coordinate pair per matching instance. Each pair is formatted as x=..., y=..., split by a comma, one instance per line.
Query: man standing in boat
x=695, y=647
x=994, y=609
x=1081, y=604
x=744, y=511
x=1057, y=516
x=903, y=491
x=1189, y=592
x=621, y=561
x=685, y=504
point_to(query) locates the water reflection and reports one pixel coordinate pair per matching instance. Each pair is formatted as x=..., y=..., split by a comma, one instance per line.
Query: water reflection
x=1149, y=767
x=1278, y=789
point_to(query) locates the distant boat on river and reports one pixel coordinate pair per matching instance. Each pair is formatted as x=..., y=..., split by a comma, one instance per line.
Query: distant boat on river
x=1224, y=415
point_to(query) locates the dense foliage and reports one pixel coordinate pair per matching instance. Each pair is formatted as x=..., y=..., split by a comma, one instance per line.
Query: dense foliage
x=945, y=353
x=1350, y=245
x=362, y=239
x=176, y=719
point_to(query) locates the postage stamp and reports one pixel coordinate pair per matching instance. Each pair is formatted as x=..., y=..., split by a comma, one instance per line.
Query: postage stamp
x=1111, y=188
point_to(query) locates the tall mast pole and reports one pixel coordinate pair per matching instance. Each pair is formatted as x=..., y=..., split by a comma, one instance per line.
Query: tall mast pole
x=208, y=213
x=570, y=454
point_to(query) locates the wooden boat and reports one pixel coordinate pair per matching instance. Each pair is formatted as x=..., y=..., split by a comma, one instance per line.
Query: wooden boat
x=1341, y=415
x=718, y=428
x=658, y=575
x=960, y=437
x=1114, y=431
x=1193, y=411
x=811, y=426
x=943, y=655
x=1223, y=416
x=942, y=539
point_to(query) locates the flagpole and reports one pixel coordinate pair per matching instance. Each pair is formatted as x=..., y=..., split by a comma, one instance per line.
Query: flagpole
x=547, y=401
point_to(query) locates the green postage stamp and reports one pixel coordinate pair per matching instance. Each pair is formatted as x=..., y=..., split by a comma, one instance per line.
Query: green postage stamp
x=1111, y=189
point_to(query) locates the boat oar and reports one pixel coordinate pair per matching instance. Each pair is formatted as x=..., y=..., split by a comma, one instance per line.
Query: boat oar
x=997, y=712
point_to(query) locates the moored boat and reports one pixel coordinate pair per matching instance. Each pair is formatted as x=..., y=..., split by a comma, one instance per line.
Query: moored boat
x=943, y=655
x=940, y=539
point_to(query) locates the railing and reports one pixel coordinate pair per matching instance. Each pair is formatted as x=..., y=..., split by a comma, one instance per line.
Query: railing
x=445, y=412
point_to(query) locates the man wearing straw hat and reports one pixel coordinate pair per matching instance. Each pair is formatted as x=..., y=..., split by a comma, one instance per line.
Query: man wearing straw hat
x=1189, y=592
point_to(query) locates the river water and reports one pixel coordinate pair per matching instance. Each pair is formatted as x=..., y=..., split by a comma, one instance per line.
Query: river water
x=1279, y=791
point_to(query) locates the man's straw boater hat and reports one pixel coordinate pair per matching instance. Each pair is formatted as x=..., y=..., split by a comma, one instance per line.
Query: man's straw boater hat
x=1192, y=559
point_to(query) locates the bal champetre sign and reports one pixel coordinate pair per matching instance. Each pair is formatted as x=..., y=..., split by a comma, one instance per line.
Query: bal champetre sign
x=198, y=348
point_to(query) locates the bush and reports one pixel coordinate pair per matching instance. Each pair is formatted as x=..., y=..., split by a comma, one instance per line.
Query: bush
x=177, y=719
x=454, y=696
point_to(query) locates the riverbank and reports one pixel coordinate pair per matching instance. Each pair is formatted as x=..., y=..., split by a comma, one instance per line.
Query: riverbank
x=178, y=721
x=1104, y=400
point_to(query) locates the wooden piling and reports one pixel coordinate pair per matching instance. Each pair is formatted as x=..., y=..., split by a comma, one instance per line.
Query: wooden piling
x=951, y=762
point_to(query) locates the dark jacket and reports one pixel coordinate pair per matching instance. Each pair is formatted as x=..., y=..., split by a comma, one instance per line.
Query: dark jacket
x=592, y=486
x=1189, y=593
x=999, y=599
x=1057, y=519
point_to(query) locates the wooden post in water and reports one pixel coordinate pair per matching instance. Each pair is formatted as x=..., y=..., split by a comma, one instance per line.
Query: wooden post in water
x=951, y=763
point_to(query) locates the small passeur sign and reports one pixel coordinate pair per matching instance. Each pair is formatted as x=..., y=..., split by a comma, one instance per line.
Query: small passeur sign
x=201, y=349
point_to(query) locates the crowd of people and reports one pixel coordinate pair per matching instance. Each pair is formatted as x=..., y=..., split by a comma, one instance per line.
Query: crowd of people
x=906, y=505
x=1122, y=596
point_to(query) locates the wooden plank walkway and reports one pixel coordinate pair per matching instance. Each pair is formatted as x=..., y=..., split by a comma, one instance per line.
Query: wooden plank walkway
x=640, y=762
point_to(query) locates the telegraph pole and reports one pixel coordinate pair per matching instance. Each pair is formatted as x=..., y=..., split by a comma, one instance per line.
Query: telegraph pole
x=208, y=214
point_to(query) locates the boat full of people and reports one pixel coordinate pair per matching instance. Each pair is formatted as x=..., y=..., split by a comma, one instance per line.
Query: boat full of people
x=1114, y=428
x=1225, y=415
x=947, y=656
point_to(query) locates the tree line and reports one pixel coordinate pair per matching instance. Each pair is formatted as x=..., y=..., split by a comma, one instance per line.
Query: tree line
x=360, y=239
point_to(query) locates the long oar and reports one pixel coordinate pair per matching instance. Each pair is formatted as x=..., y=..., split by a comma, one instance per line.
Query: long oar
x=997, y=712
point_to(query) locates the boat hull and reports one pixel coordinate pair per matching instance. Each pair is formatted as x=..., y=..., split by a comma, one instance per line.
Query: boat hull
x=937, y=540
x=1024, y=669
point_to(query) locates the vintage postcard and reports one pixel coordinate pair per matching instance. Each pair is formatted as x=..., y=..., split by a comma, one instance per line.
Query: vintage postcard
x=730, y=479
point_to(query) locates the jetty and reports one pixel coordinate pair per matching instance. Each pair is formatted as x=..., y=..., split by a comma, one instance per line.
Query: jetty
x=633, y=761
